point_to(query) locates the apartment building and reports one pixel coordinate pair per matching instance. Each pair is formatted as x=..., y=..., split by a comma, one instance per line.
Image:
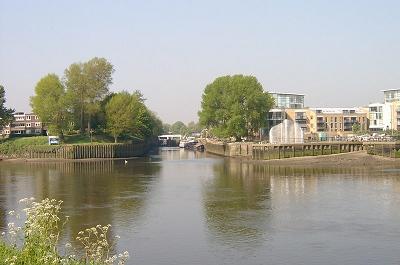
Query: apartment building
x=288, y=100
x=385, y=116
x=23, y=124
x=291, y=106
x=339, y=121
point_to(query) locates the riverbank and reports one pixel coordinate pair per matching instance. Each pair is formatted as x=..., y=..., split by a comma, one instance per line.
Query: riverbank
x=352, y=159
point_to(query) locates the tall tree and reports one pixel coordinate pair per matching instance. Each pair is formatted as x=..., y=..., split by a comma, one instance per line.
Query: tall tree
x=235, y=106
x=87, y=85
x=50, y=104
x=127, y=115
x=119, y=115
x=6, y=114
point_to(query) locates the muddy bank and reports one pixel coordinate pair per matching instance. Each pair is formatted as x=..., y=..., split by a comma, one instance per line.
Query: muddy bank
x=353, y=159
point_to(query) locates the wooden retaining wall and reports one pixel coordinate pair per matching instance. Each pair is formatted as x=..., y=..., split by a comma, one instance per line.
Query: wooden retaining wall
x=387, y=149
x=86, y=151
x=280, y=151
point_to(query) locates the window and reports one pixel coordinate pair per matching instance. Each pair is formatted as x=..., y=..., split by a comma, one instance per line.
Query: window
x=37, y=124
x=28, y=124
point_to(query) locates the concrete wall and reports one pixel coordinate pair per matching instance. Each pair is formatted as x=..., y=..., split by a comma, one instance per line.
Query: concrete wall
x=229, y=149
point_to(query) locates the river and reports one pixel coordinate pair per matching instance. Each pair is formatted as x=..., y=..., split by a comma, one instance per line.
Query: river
x=180, y=207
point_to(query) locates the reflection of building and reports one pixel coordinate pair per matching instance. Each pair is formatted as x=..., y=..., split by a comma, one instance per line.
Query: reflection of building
x=340, y=121
x=23, y=124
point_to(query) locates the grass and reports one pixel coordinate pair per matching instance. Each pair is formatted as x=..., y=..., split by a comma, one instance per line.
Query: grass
x=13, y=146
x=85, y=139
x=18, y=145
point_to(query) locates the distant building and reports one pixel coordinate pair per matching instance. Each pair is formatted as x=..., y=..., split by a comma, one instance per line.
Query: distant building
x=391, y=95
x=385, y=116
x=23, y=124
x=339, y=121
x=288, y=100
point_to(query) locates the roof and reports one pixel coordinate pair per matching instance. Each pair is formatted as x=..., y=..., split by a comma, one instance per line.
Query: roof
x=339, y=110
x=284, y=93
x=394, y=89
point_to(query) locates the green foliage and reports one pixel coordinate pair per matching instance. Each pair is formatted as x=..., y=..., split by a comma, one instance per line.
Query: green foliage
x=85, y=139
x=15, y=146
x=356, y=128
x=235, y=106
x=178, y=128
x=41, y=233
x=87, y=85
x=127, y=115
x=6, y=114
x=50, y=104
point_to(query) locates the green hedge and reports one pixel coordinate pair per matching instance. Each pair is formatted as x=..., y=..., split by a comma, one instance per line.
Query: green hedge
x=14, y=146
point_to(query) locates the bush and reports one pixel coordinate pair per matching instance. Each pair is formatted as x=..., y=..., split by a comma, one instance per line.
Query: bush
x=15, y=146
x=37, y=241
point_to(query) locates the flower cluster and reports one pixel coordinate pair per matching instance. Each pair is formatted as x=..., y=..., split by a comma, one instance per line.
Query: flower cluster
x=40, y=236
x=98, y=247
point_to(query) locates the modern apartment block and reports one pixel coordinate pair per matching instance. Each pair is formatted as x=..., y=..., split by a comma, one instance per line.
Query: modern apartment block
x=23, y=124
x=339, y=121
x=288, y=100
x=291, y=106
x=386, y=116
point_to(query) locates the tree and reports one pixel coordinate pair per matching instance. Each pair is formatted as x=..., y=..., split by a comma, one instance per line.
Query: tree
x=87, y=85
x=119, y=114
x=127, y=115
x=356, y=128
x=50, y=104
x=235, y=106
x=178, y=128
x=6, y=114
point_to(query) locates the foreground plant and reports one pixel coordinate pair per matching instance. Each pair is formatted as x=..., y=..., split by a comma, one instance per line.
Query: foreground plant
x=37, y=240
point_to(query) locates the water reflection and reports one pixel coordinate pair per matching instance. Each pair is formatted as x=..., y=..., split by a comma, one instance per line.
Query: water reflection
x=237, y=203
x=244, y=201
x=93, y=192
x=180, y=207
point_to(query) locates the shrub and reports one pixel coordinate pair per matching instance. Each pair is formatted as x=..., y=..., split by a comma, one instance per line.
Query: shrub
x=37, y=241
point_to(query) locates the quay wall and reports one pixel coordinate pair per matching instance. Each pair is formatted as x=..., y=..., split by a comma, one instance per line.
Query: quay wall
x=229, y=149
x=84, y=151
x=280, y=151
x=386, y=149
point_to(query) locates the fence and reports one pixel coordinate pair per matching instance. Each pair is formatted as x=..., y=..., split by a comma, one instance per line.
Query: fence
x=85, y=151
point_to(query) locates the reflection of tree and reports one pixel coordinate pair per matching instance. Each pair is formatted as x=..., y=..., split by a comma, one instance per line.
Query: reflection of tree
x=93, y=192
x=240, y=198
x=237, y=203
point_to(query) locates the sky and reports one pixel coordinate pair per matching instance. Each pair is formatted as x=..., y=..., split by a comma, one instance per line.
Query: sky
x=337, y=53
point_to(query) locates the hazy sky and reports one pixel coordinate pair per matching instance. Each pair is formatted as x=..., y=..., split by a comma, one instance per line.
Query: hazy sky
x=337, y=53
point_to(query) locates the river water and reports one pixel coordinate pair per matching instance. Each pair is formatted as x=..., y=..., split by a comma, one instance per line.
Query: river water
x=180, y=207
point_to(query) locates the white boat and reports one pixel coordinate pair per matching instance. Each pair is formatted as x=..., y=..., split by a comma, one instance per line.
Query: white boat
x=188, y=141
